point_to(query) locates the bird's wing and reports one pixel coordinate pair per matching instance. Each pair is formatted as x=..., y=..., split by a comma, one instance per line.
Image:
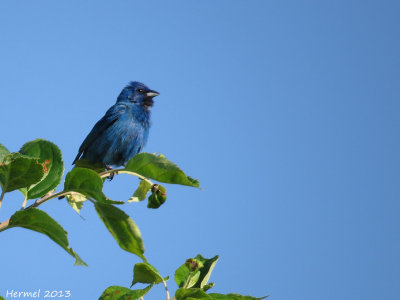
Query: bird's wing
x=105, y=122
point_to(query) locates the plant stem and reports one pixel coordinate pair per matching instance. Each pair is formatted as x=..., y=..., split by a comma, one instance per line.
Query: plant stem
x=166, y=289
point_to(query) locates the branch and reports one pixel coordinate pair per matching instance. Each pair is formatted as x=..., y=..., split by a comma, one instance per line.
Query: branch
x=123, y=171
x=105, y=174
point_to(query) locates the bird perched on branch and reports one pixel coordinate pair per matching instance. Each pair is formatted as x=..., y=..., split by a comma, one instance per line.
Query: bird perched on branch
x=122, y=132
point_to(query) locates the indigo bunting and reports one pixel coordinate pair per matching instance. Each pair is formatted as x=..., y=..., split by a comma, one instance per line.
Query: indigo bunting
x=123, y=131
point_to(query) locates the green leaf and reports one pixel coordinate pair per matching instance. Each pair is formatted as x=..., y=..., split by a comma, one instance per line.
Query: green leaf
x=159, y=168
x=1, y=298
x=146, y=273
x=158, y=196
x=49, y=156
x=76, y=201
x=88, y=183
x=192, y=293
x=185, y=276
x=232, y=296
x=205, y=271
x=123, y=293
x=197, y=293
x=37, y=220
x=3, y=152
x=208, y=286
x=122, y=227
x=195, y=272
x=83, y=163
x=18, y=171
x=141, y=192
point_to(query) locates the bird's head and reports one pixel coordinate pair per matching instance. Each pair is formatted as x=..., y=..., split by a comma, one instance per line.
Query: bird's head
x=137, y=93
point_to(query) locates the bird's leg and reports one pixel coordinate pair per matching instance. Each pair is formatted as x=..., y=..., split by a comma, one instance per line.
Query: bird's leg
x=108, y=168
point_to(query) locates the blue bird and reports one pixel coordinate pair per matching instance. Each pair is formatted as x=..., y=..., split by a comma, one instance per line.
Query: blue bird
x=122, y=132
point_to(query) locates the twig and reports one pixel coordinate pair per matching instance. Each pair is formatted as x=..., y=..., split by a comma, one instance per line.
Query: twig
x=123, y=171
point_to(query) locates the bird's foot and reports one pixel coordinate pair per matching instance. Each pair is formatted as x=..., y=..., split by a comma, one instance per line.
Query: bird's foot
x=111, y=176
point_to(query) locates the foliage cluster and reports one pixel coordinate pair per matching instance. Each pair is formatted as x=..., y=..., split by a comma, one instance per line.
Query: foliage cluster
x=36, y=171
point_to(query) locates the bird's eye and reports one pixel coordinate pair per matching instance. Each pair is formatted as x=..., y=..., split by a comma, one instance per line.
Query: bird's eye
x=140, y=91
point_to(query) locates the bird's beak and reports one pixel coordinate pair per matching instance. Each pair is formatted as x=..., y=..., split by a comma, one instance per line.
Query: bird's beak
x=148, y=99
x=151, y=93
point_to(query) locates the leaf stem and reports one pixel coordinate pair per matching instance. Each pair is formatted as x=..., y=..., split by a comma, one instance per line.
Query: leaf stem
x=2, y=196
x=24, y=203
x=166, y=289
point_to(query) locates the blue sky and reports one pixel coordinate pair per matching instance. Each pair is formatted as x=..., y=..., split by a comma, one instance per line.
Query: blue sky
x=286, y=111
